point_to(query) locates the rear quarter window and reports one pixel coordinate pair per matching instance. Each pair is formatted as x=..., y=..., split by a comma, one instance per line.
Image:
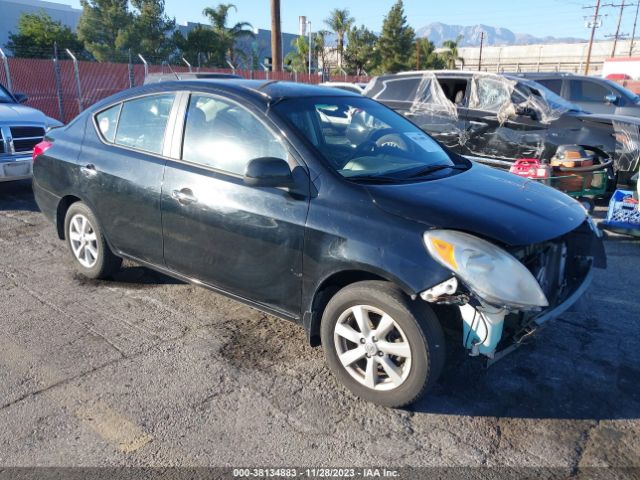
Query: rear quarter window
x=107, y=122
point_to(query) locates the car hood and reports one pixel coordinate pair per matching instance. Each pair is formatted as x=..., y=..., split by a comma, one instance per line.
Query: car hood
x=486, y=202
x=14, y=112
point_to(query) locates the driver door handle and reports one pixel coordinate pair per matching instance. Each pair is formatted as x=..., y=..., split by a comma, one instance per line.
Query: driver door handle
x=184, y=196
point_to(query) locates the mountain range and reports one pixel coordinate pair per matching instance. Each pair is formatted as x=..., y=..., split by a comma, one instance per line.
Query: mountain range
x=439, y=32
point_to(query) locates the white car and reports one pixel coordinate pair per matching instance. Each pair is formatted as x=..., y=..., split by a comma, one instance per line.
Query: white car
x=21, y=128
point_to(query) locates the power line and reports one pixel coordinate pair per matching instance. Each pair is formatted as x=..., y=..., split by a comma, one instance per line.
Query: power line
x=618, y=36
x=633, y=35
x=595, y=23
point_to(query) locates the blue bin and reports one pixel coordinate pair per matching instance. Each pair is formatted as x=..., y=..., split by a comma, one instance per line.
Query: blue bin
x=623, y=215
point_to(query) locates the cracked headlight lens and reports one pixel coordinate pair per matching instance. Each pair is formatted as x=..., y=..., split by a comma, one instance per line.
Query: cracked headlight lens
x=492, y=274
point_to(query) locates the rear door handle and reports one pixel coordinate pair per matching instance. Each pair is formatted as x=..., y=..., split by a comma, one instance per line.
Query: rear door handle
x=89, y=170
x=184, y=196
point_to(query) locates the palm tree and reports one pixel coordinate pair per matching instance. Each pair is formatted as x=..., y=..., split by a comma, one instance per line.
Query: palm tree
x=340, y=22
x=227, y=37
x=298, y=58
x=450, y=53
x=318, y=52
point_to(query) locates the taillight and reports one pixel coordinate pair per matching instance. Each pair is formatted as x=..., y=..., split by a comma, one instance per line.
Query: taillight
x=40, y=148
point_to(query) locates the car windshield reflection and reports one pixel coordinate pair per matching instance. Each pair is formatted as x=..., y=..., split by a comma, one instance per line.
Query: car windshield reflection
x=362, y=139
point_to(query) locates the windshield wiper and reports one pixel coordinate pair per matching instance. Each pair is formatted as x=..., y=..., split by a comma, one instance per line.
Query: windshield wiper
x=374, y=178
x=435, y=168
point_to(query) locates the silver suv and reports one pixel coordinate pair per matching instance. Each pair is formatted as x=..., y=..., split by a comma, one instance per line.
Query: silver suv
x=21, y=128
x=593, y=94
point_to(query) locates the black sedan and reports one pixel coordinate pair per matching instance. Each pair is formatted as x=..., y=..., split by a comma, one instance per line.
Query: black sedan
x=497, y=119
x=321, y=207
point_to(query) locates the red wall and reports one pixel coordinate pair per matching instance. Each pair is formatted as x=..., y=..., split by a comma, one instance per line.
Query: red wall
x=36, y=78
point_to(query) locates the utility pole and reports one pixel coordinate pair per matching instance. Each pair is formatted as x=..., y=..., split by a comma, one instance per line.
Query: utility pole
x=310, y=46
x=481, y=45
x=617, y=35
x=276, y=37
x=417, y=54
x=635, y=22
x=594, y=23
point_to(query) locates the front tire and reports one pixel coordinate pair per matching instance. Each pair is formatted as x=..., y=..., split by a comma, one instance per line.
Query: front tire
x=93, y=257
x=386, y=348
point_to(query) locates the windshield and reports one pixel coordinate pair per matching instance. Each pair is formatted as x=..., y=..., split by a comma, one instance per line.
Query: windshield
x=4, y=96
x=362, y=139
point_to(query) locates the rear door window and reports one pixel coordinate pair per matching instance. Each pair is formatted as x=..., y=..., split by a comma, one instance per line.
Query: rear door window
x=399, y=90
x=143, y=122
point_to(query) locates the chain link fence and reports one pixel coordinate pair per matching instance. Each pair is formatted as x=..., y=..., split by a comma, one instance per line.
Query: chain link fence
x=63, y=88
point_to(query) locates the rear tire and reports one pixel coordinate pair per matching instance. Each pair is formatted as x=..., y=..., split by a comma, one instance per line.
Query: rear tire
x=92, y=256
x=384, y=347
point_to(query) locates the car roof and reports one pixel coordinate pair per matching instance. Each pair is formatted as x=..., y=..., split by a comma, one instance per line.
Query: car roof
x=437, y=73
x=547, y=74
x=262, y=90
x=171, y=76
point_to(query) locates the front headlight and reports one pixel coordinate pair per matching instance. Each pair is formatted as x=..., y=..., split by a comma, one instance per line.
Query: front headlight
x=491, y=273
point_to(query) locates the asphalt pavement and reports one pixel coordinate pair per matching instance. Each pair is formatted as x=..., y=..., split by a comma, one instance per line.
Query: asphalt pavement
x=144, y=370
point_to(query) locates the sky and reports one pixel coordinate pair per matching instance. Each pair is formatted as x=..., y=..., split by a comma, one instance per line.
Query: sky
x=559, y=18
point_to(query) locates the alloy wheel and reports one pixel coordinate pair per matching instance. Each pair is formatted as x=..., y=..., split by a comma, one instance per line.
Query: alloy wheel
x=372, y=348
x=83, y=239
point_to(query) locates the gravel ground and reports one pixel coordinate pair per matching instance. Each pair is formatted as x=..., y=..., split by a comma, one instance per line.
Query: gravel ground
x=148, y=371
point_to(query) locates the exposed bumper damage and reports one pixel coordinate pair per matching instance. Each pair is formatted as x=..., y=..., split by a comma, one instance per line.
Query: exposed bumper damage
x=564, y=269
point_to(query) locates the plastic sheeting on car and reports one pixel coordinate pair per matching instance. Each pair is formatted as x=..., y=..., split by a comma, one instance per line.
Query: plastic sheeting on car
x=627, y=145
x=429, y=98
x=508, y=99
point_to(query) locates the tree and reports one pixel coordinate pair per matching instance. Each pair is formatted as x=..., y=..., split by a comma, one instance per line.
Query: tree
x=298, y=58
x=151, y=29
x=276, y=36
x=199, y=47
x=429, y=60
x=319, y=51
x=396, y=40
x=339, y=21
x=37, y=33
x=104, y=28
x=450, y=54
x=227, y=36
x=361, y=54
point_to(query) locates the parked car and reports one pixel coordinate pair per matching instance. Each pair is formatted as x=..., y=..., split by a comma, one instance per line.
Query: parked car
x=349, y=87
x=365, y=233
x=593, y=94
x=21, y=127
x=497, y=119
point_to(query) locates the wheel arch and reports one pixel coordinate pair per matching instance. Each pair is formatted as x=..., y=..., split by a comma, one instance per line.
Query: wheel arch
x=61, y=212
x=332, y=284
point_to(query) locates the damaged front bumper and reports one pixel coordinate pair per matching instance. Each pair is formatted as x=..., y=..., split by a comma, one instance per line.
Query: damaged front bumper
x=564, y=269
x=543, y=317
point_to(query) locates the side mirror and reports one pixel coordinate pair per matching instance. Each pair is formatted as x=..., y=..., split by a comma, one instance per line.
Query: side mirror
x=20, y=97
x=522, y=111
x=611, y=99
x=268, y=172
